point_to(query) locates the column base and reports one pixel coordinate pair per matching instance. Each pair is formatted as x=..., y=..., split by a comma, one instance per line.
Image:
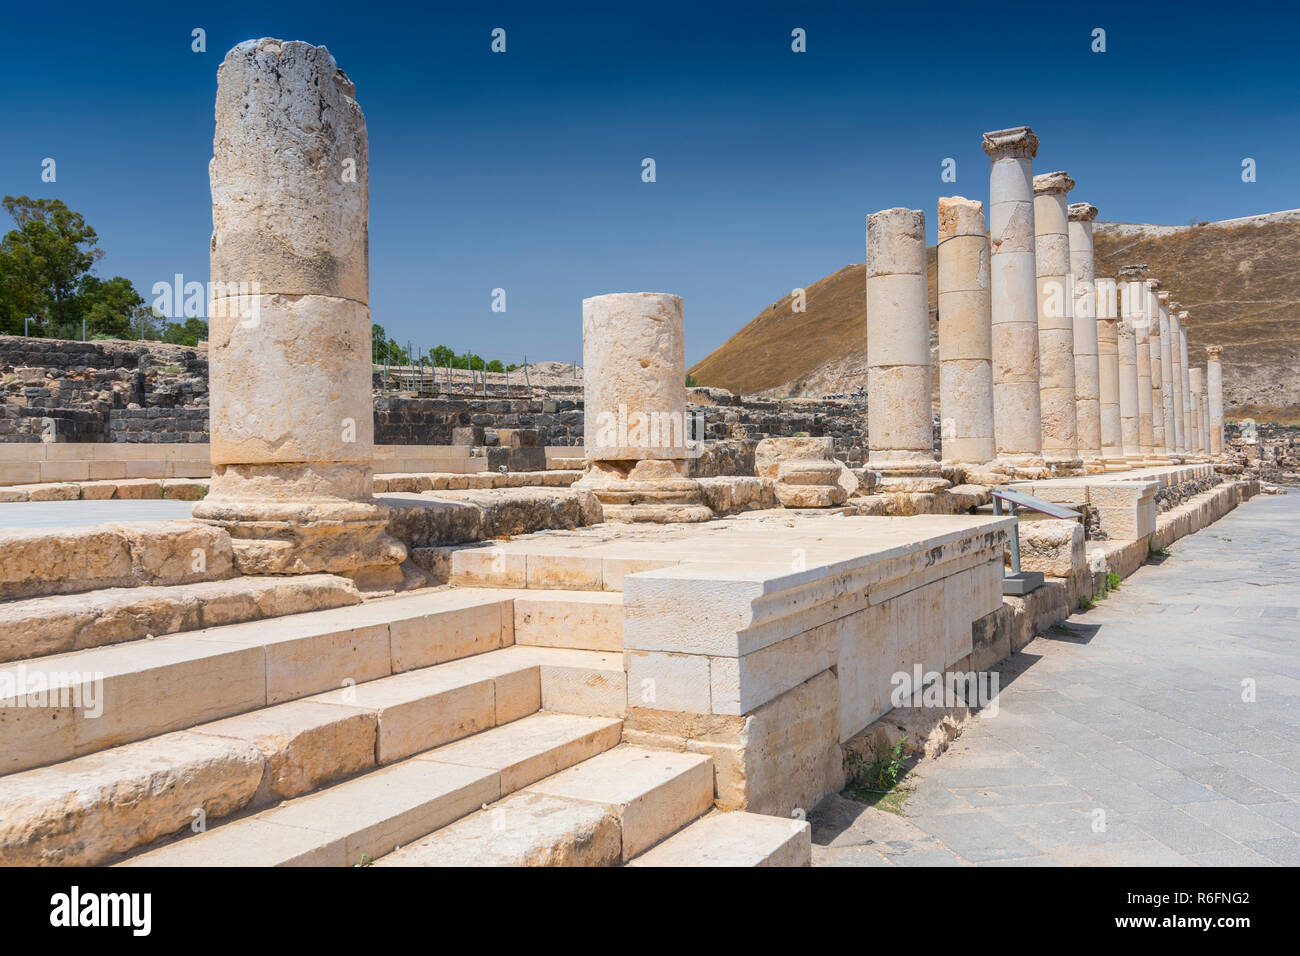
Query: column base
x=651, y=490
x=1094, y=466
x=1061, y=467
x=303, y=518
x=915, y=476
x=1021, y=467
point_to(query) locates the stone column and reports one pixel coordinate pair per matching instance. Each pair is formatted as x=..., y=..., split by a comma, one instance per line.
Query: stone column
x=900, y=415
x=1087, y=362
x=1194, y=381
x=1112, y=443
x=1129, y=415
x=1055, y=323
x=1214, y=386
x=1176, y=380
x=965, y=335
x=1014, y=299
x=635, y=432
x=1184, y=321
x=1135, y=296
x=1153, y=340
x=1167, y=375
x=1205, y=418
x=292, y=423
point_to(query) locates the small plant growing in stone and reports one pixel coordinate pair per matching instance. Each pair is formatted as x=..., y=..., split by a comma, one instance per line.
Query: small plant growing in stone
x=1112, y=581
x=1086, y=603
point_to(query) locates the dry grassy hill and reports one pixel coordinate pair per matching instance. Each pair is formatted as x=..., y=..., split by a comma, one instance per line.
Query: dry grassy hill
x=1239, y=279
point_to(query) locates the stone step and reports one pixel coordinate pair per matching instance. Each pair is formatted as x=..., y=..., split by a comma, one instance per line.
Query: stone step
x=597, y=813
x=368, y=816
x=117, y=694
x=56, y=624
x=579, y=682
x=39, y=561
x=734, y=839
x=90, y=809
x=582, y=620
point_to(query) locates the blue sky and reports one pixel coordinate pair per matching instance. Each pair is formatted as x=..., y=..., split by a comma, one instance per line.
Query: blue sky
x=523, y=170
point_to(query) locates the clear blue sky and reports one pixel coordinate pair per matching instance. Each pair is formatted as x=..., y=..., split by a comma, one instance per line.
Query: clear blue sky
x=523, y=170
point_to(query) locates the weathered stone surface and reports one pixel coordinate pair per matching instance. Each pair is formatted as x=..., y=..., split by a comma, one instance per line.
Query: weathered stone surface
x=51, y=625
x=86, y=811
x=40, y=561
x=524, y=829
x=733, y=840
x=1052, y=546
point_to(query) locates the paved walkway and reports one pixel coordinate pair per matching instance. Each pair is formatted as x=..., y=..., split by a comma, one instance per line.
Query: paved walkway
x=1128, y=742
x=63, y=514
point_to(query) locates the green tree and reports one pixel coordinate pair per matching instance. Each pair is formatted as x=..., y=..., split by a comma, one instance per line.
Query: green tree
x=384, y=350
x=44, y=261
x=191, y=332
x=107, y=306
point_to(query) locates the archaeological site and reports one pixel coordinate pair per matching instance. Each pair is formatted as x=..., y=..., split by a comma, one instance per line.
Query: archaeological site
x=1017, y=585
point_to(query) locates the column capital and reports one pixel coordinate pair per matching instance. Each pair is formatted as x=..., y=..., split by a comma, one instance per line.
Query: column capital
x=1164, y=298
x=1018, y=142
x=1153, y=284
x=1050, y=184
x=1185, y=319
x=1082, y=212
x=1214, y=353
x=1133, y=273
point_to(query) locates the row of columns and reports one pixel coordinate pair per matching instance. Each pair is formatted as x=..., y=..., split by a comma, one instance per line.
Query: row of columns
x=1044, y=368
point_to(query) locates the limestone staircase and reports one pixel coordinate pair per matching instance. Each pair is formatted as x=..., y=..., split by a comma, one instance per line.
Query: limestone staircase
x=453, y=726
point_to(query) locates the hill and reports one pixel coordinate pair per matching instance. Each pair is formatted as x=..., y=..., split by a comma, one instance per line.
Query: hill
x=1239, y=279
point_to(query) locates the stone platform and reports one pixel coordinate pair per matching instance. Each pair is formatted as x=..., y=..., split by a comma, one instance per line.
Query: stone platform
x=768, y=639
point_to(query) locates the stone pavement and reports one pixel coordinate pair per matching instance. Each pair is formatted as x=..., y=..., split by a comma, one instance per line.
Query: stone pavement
x=65, y=514
x=1127, y=742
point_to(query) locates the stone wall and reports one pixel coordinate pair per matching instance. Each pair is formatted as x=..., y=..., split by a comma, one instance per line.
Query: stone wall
x=155, y=393
x=54, y=390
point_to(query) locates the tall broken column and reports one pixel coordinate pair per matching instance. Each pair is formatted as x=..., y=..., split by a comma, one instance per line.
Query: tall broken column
x=1176, y=380
x=1087, y=361
x=1214, y=388
x=1129, y=413
x=1205, y=415
x=636, y=436
x=1135, y=297
x=1194, y=381
x=1108, y=378
x=900, y=416
x=1167, y=375
x=1058, y=402
x=1013, y=286
x=292, y=423
x=1157, y=408
x=965, y=335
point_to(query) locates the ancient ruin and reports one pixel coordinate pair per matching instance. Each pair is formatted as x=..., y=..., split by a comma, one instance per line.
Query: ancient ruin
x=668, y=649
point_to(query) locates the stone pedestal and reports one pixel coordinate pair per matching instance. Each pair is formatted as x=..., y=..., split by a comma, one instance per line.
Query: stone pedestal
x=965, y=336
x=1055, y=324
x=1214, y=388
x=1161, y=450
x=1087, y=360
x=1176, y=381
x=1108, y=378
x=1130, y=432
x=289, y=325
x=635, y=430
x=900, y=418
x=1014, y=299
